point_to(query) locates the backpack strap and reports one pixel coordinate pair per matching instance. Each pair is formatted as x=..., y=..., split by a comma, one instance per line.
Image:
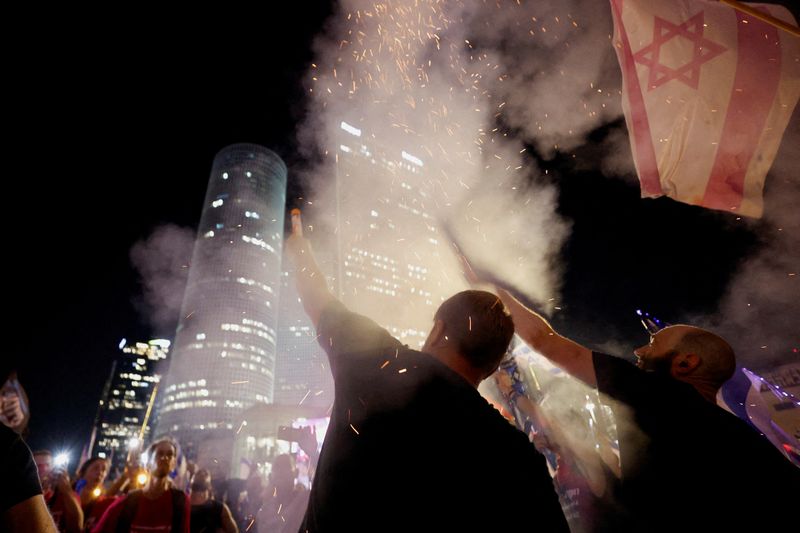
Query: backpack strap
x=128, y=513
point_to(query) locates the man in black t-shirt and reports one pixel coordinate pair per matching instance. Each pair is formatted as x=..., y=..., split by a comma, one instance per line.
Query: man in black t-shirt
x=208, y=515
x=22, y=506
x=412, y=445
x=686, y=463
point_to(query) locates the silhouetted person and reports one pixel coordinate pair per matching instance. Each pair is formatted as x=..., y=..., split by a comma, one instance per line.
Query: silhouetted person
x=285, y=500
x=686, y=463
x=22, y=507
x=412, y=445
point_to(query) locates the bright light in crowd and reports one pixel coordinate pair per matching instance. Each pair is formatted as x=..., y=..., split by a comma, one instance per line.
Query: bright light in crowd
x=96, y=492
x=61, y=459
x=133, y=444
x=141, y=478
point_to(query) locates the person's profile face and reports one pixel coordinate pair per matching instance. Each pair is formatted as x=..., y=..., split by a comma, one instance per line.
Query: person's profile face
x=657, y=355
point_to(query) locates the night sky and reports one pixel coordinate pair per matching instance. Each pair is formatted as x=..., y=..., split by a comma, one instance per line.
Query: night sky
x=113, y=130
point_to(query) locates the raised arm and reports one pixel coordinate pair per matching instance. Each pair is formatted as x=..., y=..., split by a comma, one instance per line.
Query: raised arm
x=311, y=284
x=537, y=333
x=570, y=356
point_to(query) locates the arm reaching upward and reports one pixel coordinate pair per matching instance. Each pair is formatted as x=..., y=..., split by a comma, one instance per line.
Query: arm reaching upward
x=570, y=356
x=310, y=281
x=537, y=333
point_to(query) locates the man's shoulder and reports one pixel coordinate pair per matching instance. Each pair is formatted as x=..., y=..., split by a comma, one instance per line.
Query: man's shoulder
x=341, y=331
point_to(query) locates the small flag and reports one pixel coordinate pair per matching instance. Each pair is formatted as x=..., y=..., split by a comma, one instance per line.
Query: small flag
x=707, y=94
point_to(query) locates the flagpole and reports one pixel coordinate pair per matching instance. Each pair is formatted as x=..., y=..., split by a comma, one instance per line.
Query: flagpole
x=147, y=414
x=769, y=19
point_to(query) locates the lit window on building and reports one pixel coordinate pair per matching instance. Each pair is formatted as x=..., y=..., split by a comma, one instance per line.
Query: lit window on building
x=209, y=234
x=217, y=203
x=258, y=242
x=352, y=130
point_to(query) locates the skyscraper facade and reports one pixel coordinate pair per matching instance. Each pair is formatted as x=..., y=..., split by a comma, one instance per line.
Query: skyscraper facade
x=125, y=414
x=303, y=374
x=224, y=354
x=392, y=257
x=382, y=251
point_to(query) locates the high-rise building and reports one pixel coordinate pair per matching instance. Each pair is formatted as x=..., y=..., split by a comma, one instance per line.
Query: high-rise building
x=383, y=253
x=392, y=257
x=303, y=375
x=224, y=355
x=125, y=414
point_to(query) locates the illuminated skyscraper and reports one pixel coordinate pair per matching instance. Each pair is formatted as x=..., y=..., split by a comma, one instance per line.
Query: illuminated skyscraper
x=224, y=355
x=390, y=250
x=303, y=376
x=384, y=257
x=125, y=414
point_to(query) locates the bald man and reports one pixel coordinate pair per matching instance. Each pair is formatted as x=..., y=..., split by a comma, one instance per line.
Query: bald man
x=686, y=463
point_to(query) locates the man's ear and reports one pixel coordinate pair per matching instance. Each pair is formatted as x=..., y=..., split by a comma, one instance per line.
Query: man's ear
x=437, y=337
x=684, y=364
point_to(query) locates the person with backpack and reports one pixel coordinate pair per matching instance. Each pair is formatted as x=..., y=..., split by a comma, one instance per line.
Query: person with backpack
x=158, y=507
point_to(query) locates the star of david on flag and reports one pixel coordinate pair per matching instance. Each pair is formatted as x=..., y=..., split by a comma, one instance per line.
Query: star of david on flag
x=707, y=94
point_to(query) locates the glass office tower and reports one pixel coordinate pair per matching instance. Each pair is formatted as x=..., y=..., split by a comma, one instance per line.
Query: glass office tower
x=225, y=347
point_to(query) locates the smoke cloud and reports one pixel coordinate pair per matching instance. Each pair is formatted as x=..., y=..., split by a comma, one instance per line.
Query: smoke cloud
x=760, y=312
x=162, y=261
x=482, y=91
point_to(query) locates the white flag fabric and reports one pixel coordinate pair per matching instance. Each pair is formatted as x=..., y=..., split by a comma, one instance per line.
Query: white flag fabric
x=707, y=94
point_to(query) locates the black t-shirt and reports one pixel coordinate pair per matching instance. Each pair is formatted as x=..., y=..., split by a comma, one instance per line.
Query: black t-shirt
x=19, y=479
x=206, y=517
x=688, y=463
x=412, y=446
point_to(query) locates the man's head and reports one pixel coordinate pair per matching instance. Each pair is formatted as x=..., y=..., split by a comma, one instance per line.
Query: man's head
x=201, y=481
x=283, y=470
x=254, y=485
x=44, y=463
x=162, y=456
x=476, y=328
x=686, y=353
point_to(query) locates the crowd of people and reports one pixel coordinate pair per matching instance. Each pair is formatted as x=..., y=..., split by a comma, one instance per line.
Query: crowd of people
x=40, y=495
x=413, y=446
x=152, y=498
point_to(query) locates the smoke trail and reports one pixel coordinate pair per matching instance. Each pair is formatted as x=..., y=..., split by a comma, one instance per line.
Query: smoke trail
x=759, y=312
x=557, y=71
x=162, y=261
x=471, y=84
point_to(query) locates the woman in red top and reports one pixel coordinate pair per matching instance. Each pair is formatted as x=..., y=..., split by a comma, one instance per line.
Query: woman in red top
x=158, y=508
